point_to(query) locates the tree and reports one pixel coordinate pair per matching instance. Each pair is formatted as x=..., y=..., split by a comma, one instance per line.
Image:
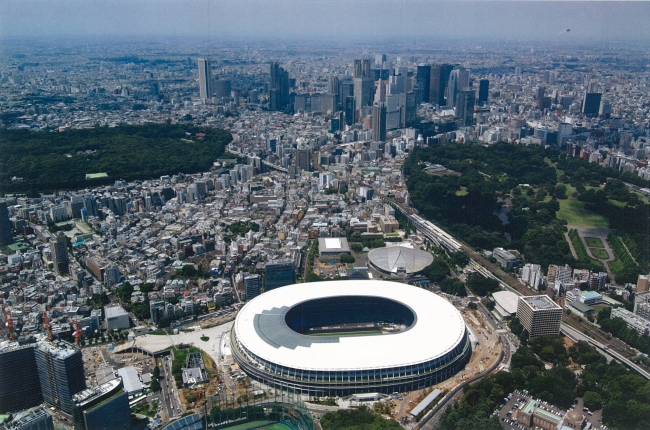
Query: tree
x=347, y=258
x=593, y=400
x=155, y=385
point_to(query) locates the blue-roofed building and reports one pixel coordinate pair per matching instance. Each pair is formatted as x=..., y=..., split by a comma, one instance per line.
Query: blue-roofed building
x=190, y=422
x=590, y=298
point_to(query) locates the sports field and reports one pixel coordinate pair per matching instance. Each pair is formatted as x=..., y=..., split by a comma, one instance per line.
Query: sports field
x=260, y=425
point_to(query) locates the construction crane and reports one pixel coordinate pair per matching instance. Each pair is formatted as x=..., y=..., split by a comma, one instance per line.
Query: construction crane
x=10, y=323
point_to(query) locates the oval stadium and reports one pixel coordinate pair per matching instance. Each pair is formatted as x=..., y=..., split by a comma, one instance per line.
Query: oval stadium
x=342, y=337
x=399, y=260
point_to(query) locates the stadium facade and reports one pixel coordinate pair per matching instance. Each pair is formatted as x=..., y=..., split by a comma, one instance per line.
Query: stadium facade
x=342, y=337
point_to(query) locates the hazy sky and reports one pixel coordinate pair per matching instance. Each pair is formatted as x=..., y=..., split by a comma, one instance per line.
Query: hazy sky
x=331, y=19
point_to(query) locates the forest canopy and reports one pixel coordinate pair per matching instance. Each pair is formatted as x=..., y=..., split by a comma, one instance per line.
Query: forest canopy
x=49, y=161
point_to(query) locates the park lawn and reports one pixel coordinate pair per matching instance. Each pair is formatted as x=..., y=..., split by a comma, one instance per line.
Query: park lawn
x=616, y=265
x=594, y=242
x=462, y=192
x=574, y=212
x=599, y=253
x=616, y=203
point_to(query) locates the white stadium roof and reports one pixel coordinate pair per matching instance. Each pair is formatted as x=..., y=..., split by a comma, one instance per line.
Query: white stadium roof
x=507, y=300
x=391, y=258
x=437, y=329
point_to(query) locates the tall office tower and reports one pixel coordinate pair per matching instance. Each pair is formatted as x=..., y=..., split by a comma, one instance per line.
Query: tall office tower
x=379, y=59
x=539, y=315
x=438, y=83
x=458, y=80
x=6, y=238
x=465, y=107
x=380, y=93
x=483, y=89
x=422, y=80
x=541, y=91
x=396, y=85
x=350, y=110
x=278, y=275
x=591, y=104
x=379, y=122
x=303, y=159
x=252, y=286
x=279, y=88
x=408, y=108
x=103, y=407
x=365, y=68
x=60, y=256
x=20, y=387
x=222, y=88
x=346, y=89
x=357, y=71
x=61, y=372
x=363, y=92
x=334, y=83
x=205, y=78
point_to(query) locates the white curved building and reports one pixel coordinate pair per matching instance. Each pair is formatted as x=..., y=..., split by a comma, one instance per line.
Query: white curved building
x=323, y=339
x=399, y=260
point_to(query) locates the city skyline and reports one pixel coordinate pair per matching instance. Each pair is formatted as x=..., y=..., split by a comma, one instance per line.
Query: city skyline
x=407, y=21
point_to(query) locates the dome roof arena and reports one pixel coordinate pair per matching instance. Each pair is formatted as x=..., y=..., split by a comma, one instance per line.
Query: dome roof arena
x=398, y=259
x=343, y=337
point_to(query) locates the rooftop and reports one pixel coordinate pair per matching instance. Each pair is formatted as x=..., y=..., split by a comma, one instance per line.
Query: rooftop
x=540, y=302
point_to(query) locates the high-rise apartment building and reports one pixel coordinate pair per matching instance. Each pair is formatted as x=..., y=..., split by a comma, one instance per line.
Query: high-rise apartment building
x=539, y=315
x=252, y=286
x=38, y=419
x=60, y=254
x=278, y=275
x=6, y=238
x=465, y=107
x=379, y=122
x=205, y=78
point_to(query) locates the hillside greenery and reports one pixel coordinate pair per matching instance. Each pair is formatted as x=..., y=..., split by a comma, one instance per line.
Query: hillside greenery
x=360, y=418
x=50, y=161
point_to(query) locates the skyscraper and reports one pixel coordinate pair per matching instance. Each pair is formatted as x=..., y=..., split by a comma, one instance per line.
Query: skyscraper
x=303, y=159
x=205, y=78
x=278, y=88
x=422, y=80
x=458, y=80
x=102, y=407
x=438, y=83
x=408, y=108
x=356, y=69
x=6, y=238
x=379, y=122
x=60, y=254
x=591, y=104
x=483, y=88
x=365, y=68
x=20, y=387
x=363, y=92
x=350, y=110
x=61, y=372
x=465, y=107
x=222, y=88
